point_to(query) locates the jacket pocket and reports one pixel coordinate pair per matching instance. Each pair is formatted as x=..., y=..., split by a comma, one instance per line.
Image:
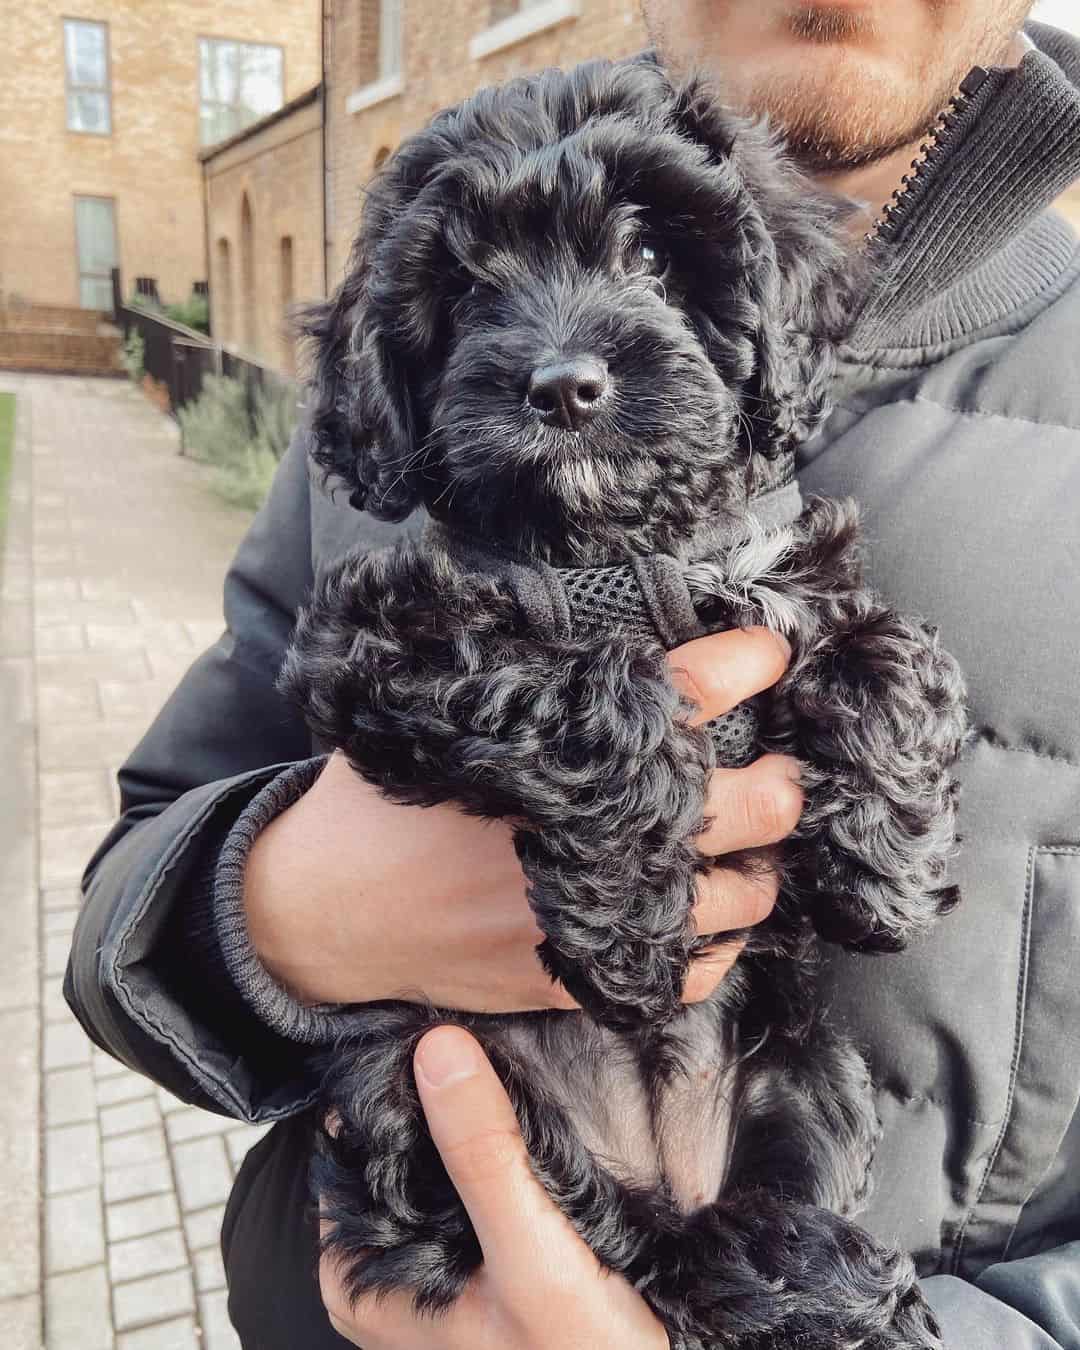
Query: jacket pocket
x=1045, y=1070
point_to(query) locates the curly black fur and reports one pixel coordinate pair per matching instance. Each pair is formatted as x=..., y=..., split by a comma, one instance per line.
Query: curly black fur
x=714, y=1155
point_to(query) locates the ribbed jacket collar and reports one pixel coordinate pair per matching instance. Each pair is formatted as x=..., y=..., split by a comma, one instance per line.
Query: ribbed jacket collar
x=978, y=244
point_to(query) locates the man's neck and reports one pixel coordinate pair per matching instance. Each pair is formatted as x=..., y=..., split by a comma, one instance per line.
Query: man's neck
x=872, y=185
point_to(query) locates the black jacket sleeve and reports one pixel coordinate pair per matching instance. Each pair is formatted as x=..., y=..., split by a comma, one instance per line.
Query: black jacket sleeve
x=137, y=979
x=1032, y=1304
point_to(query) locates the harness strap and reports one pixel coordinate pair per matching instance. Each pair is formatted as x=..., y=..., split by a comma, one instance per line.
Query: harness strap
x=645, y=597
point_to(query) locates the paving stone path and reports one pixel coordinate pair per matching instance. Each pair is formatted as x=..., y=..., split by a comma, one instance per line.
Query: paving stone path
x=113, y=1191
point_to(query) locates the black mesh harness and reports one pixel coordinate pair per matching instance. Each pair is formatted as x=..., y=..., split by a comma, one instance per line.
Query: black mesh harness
x=644, y=597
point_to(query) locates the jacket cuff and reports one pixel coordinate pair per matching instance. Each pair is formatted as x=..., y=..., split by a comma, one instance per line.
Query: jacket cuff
x=229, y=952
x=972, y=1319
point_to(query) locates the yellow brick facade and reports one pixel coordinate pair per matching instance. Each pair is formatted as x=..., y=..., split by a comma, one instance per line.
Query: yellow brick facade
x=266, y=187
x=281, y=201
x=149, y=163
x=437, y=70
x=265, y=228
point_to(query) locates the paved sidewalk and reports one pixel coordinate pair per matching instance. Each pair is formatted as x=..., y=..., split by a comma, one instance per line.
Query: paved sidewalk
x=113, y=1191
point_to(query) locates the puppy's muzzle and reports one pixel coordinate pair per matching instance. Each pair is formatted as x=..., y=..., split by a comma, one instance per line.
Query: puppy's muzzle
x=569, y=394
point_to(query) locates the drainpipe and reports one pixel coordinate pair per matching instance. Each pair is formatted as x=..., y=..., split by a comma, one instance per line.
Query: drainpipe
x=206, y=247
x=326, y=18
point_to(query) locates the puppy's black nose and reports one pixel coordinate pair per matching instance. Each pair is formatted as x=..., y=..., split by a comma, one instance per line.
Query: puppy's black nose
x=569, y=393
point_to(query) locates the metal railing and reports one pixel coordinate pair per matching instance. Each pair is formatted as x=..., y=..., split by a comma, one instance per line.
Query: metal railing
x=180, y=358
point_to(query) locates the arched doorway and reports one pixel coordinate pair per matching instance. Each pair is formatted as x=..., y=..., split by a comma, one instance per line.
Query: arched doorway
x=247, y=275
x=288, y=295
x=223, y=297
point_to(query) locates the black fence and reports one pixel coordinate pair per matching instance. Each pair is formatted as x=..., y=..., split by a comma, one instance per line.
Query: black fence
x=180, y=358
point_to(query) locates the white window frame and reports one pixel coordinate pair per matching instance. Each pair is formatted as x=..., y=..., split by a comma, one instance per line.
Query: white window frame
x=211, y=40
x=533, y=17
x=391, y=80
x=70, y=87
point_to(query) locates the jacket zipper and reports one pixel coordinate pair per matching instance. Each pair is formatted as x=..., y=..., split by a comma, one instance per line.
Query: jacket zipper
x=964, y=107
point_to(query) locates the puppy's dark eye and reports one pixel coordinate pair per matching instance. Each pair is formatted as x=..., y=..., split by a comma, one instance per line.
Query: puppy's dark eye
x=652, y=258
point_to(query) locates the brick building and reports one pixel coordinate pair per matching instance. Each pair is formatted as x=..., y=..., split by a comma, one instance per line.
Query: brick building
x=103, y=108
x=264, y=213
x=283, y=197
x=391, y=64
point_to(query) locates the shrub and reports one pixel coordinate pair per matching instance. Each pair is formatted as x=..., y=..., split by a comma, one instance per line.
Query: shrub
x=133, y=356
x=242, y=449
x=194, y=312
x=215, y=427
x=275, y=417
x=246, y=481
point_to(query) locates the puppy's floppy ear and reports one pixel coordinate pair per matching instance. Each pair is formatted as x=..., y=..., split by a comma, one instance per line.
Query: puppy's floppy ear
x=362, y=420
x=796, y=277
x=799, y=277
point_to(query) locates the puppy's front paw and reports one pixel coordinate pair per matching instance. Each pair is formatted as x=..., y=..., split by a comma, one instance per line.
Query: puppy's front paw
x=880, y=722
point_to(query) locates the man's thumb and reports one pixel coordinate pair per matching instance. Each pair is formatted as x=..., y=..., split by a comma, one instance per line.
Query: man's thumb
x=476, y=1132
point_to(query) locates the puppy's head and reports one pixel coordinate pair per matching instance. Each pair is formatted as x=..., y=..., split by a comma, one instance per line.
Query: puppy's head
x=576, y=305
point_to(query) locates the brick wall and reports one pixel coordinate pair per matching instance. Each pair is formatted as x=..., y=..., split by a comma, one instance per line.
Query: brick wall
x=366, y=55
x=277, y=169
x=438, y=71
x=60, y=353
x=149, y=163
x=268, y=254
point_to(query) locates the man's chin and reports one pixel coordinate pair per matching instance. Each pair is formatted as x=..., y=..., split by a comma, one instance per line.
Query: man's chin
x=823, y=161
x=827, y=130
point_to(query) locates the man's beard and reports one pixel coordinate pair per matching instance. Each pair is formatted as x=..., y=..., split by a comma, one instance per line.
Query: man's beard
x=853, y=113
x=826, y=135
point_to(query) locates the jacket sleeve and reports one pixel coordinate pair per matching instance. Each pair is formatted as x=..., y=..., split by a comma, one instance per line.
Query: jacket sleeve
x=1033, y=1304
x=136, y=977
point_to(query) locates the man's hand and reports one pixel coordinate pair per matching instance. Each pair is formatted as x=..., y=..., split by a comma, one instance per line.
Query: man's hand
x=351, y=898
x=540, y=1287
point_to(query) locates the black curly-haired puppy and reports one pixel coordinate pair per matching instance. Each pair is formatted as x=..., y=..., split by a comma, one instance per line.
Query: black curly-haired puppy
x=587, y=318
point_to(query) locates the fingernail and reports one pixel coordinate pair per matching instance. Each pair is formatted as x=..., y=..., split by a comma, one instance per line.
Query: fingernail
x=448, y=1055
x=788, y=649
x=792, y=769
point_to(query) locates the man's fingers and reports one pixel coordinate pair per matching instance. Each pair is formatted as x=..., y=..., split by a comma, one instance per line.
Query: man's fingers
x=373, y=1322
x=710, y=968
x=730, y=900
x=726, y=901
x=476, y=1132
x=749, y=807
x=717, y=672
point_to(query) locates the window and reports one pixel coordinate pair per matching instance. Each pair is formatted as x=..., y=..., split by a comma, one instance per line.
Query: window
x=239, y=82
x=381, y=58
x=512, y=21
x=95, y=246
x=86, y=58
x=503, y=9
x=391, y=38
